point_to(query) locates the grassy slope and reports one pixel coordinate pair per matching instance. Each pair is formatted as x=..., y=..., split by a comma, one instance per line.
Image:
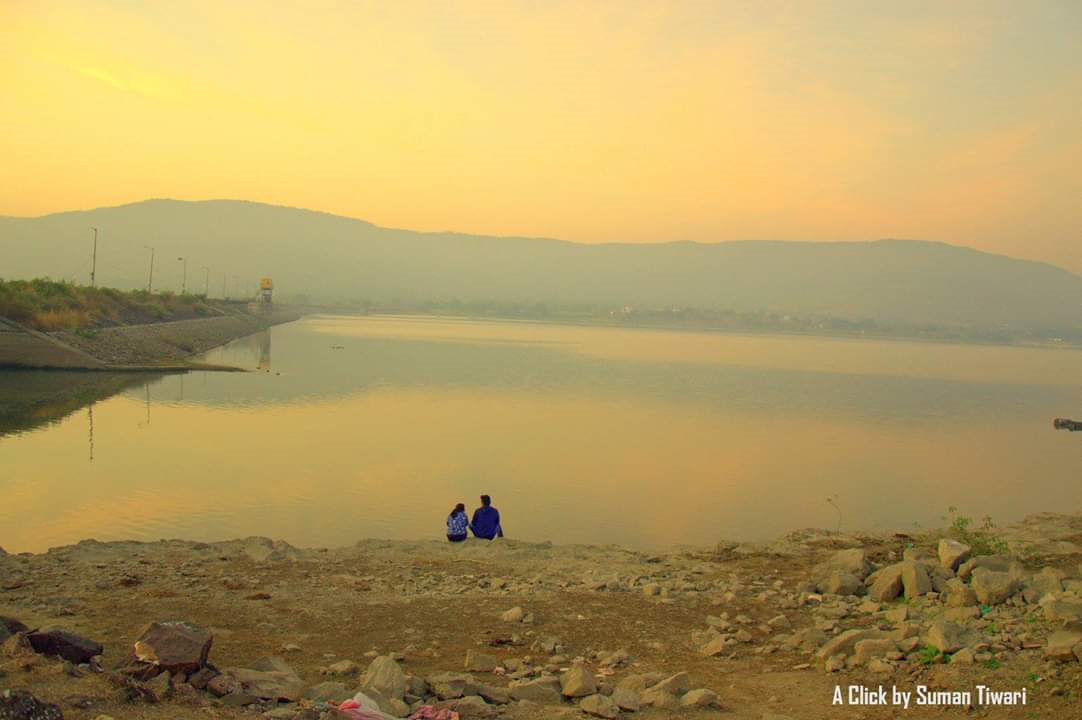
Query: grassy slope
x=45, y=305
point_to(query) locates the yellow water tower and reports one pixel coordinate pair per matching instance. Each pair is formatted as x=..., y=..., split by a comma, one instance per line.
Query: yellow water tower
x=266, y=290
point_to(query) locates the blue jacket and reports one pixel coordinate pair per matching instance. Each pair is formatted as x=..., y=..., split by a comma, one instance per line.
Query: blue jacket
x=486, y=523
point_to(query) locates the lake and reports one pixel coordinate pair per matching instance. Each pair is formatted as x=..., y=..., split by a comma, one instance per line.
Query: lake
x=357, y=427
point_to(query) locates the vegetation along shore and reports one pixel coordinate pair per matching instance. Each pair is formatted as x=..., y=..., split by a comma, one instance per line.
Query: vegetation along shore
x=49, y=324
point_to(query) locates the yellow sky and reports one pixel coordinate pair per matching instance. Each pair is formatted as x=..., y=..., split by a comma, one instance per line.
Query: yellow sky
x=589, y=121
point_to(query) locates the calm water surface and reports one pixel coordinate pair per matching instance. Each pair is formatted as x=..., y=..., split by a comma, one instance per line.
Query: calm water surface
x=375, y=427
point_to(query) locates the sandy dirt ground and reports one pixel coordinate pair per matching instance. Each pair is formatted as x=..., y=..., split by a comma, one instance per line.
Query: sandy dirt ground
x=431, y=602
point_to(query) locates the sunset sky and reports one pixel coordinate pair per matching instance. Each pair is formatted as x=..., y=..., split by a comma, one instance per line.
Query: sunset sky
x=588, y=121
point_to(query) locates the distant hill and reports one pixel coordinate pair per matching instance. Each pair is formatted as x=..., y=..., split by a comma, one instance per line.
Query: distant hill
x=329, y=257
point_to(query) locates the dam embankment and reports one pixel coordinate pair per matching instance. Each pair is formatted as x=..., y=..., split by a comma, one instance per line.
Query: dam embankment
x=130, y=347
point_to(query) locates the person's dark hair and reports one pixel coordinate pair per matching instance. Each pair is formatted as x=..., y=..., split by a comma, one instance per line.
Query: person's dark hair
x=486, y=500
x=460, y=508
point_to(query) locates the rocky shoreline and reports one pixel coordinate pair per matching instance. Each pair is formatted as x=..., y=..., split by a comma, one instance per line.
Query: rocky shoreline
x=255, y=627
x=171, y=342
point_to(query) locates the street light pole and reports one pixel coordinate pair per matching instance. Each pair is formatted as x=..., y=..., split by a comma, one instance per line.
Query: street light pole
x=94, y=258
x=150, y=278
x=184, y=277
x=206, y=283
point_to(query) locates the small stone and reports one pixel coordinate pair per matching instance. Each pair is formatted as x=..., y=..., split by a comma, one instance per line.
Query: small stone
x=700, y=698
x=600, y=706
x=327, y=692
x=779, y=623
x=344, y=667
x=880, y=666
x=962, y=657
x=897, y=615
x=674, y=684
x=626, y=699
x=160, y=686
x=835, y=663
x=578, y=681
x=513, y=615
x=21, y=705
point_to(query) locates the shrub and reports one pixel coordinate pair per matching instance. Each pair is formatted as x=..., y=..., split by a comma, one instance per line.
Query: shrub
x=983, y=540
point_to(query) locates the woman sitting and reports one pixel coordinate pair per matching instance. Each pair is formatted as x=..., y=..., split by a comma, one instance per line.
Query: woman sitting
x=457, y=522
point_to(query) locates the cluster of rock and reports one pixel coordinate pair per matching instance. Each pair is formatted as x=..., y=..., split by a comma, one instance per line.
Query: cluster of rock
x=929, y=609
x=170, y=661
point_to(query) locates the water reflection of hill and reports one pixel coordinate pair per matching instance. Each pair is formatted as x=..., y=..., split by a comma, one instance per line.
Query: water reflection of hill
x=310, y=367
x=30, y=399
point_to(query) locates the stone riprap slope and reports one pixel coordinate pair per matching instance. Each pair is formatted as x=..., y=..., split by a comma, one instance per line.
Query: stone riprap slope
x=169, y=342
x=522, y=630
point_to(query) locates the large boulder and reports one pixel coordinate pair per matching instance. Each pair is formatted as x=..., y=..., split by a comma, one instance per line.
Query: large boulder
x=178, y=647
x=852, y=561
x=385, y=677
x=999, y=563
x=600, y=706
x=992, y=587
x=700, y=698
x=21, y=705
x=1057, y=610
x=65, y=644
x=578, y=681
x=1064, y=645
x=957, y=594
x=945, y=636
x=886, y=583
x=839, y=582
x=866, y=650
x=953, y=553
x=452, y=685
x=915, y=580
x=1048, y=580
x=268, y=679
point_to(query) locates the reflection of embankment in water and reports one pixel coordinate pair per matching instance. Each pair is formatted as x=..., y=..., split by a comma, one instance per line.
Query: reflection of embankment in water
x=30, y=399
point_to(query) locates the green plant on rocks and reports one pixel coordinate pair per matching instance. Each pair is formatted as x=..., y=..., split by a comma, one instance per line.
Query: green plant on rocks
x=929, y=655
x=983, y=540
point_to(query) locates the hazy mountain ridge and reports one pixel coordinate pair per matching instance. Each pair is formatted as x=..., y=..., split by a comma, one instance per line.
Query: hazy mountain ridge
x=331, y=257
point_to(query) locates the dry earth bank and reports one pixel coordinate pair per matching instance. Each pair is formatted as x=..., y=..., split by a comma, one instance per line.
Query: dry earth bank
x=521, y=630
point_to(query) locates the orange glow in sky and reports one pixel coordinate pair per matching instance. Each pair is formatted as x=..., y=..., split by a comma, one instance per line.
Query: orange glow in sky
x=589, y=121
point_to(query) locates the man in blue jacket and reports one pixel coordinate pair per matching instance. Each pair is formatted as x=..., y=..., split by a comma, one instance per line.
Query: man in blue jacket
x=486, y=520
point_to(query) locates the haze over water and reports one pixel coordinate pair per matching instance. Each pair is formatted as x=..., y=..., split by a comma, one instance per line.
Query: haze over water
x=377, y=426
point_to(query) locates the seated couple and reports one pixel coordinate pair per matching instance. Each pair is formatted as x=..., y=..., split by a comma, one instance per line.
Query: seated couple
x=485, y=523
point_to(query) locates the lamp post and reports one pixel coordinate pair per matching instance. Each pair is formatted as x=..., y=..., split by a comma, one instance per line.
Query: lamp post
x=94, y=258
x=184, y=277
x=150, y=278
x=206, y=282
